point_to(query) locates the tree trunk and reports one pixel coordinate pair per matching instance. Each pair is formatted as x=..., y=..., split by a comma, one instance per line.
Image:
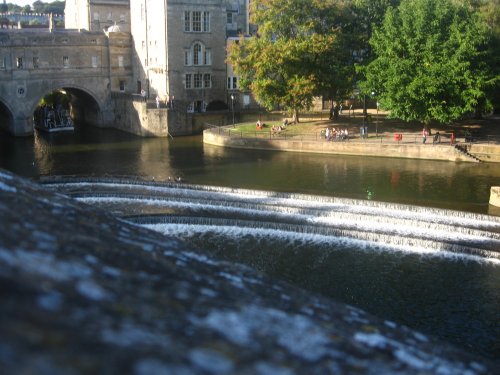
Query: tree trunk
x=296, y=116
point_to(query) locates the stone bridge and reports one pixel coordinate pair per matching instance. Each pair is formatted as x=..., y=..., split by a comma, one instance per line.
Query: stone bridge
x=89, y=66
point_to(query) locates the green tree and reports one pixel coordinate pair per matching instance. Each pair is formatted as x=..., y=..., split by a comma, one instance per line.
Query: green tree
x=38, y=6
x=431, y=61
x=4, y=7
x=299, y=52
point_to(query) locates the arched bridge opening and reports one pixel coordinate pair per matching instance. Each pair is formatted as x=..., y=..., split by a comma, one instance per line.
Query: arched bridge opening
x=6, y=118
x=85, y=110
x=66, y=108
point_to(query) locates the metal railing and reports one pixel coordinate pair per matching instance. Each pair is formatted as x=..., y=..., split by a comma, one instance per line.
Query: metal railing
x=396, y=138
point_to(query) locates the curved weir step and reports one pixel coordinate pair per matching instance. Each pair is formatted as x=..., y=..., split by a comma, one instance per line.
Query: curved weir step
x=210, y=208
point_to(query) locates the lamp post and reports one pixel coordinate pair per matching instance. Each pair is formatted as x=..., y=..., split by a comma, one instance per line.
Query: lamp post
x=376, y=119
x=232, y=107
x=365, y=127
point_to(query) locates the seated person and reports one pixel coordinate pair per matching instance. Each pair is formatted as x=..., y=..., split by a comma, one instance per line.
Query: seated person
x=258, y=125
x=437, y=138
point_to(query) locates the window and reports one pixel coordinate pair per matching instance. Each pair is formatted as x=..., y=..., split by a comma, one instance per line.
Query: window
x=96, y=16
x=122, y=18
x=36, y=61
x=206, y=21
x=19, y=63
x=229, y=18
x=188, y=81
x=207, y=58
x=232, y=83
x=207, y=80
x=122, y=85
x=197, y=21
x=94, y=61
x=197, y=54
x=120, y=61
x=187, y=21
x=3, y=64
x=65, y=61
x=197, y=80
x=110, y=16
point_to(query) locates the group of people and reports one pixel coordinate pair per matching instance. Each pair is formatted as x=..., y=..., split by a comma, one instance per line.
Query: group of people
x=259, y=125
x=436, y=139
x=333, y=134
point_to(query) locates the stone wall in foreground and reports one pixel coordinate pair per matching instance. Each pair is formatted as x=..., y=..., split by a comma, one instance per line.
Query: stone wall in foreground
x=85, y=293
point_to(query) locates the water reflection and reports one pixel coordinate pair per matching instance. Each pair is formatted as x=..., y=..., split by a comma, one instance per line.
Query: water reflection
x=92, y=151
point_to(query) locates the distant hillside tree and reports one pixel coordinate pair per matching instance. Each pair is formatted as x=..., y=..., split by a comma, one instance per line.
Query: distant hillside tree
x=432, y=61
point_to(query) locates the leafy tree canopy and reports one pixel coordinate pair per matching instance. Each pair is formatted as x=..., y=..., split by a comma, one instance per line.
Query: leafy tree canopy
x=431, y=61
x=299, y=52
x=38, y=7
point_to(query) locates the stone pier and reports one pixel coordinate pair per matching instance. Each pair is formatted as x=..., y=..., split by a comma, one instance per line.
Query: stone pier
x=495, y=196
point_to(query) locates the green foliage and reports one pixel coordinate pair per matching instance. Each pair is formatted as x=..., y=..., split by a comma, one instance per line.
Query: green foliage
x=431, y=61
x=56, y=7
x=299, y=52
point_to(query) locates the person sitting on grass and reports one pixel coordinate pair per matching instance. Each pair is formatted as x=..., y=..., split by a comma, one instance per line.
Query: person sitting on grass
x=437, y=138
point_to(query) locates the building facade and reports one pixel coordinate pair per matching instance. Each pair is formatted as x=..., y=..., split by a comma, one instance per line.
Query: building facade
x=89, y=66
x=97, y=15
x=178, y=46
x=180, y=49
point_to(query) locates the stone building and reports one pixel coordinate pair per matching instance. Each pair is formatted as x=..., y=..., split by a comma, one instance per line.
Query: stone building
x=89, y=66
x=180, y=49
x=178, y=46
x=97, y=15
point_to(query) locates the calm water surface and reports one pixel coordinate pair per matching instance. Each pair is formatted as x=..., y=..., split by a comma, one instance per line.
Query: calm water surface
x=455, y=299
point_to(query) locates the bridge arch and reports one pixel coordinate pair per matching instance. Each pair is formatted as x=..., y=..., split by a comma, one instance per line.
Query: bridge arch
x=84, y=106
x=6, y=117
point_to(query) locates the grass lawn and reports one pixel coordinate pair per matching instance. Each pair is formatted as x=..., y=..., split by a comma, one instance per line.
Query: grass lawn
x=309, y=127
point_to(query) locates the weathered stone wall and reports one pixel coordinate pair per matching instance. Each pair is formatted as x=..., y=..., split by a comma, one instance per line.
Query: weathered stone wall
x=134, y=116
x=85, y=293
x=486, y=152
x=35, y=63
x=397, y=150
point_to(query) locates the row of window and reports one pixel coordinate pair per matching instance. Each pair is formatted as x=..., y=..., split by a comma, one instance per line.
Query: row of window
x=197, y=55
x=97, y=16
x=198, y=80
x=196, y=21
x=20, y=61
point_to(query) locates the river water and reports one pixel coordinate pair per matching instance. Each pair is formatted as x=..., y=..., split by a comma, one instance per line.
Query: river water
x=456, y=299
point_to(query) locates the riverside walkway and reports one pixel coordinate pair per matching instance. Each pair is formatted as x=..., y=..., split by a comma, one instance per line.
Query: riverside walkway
x=384, y=139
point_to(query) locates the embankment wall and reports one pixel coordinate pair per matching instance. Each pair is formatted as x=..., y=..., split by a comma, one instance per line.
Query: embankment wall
x=353, y=147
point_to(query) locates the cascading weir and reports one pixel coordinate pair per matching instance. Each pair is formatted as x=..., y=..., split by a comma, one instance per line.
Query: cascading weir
x=174, y=208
